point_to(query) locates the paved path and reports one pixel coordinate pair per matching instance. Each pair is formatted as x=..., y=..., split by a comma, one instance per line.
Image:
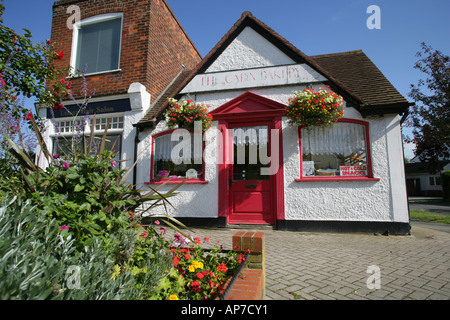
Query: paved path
x=324, y=266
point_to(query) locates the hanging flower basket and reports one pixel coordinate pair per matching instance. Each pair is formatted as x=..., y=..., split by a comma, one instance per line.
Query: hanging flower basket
x=184, y=114
x=314, y=108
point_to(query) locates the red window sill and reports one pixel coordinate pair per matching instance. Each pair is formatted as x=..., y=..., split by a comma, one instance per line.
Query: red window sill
x=176, y=181
x=306, y=179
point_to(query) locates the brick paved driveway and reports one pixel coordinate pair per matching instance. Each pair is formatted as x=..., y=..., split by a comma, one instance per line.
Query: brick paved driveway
x=334, y=266
x=322, y=266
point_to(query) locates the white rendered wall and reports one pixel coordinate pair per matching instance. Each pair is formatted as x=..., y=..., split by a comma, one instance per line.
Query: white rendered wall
x=249, y=50
x=383, y=200
x=193, y=200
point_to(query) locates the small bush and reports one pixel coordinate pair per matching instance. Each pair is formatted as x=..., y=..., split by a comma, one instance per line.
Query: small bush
x=39, y=261
x=84, y=194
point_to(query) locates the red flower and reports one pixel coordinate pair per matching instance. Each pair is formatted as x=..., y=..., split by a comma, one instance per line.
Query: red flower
x=187, y=257
x=59, y=55
x=176, y=261
x=196, y=286
x=28, y=116
x=222, y=267
x=199, y=275
x=58, y=106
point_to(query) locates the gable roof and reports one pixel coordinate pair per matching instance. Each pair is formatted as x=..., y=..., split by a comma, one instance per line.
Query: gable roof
x=351, y=74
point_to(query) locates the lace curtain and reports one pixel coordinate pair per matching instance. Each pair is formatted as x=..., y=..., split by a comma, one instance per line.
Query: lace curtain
x=340, y=138
x=251, y=136
x=164, y=146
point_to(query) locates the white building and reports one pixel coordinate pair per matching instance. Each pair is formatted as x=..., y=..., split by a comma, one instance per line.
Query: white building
x=247, y=80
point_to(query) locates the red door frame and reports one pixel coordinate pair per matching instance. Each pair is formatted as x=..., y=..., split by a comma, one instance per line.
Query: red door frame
x=249, y=108
x=261, y=185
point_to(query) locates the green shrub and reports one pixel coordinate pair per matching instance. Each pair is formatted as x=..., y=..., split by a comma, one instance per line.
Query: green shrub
x=39, y=261
x=86, y=195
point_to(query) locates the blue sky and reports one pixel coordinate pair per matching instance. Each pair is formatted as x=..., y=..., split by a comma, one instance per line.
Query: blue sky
x=327, y=26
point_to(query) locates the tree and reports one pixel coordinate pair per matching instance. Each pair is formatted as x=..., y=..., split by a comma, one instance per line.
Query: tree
x=26, y=71
x=430, y=118
x=27, y=68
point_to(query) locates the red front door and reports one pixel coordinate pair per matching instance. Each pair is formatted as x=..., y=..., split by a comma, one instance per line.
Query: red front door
x=251, y=189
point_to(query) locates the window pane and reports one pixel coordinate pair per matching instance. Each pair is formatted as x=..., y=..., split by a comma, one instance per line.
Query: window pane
x=431, y=179
x=66, y=145
x=99, y=46
x=338, y=150
x=116, y=123
x=190, y=166
x=249, y=143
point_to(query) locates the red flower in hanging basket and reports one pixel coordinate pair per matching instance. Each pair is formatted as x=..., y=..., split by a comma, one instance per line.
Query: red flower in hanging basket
x=184, y=114
x=314, y=108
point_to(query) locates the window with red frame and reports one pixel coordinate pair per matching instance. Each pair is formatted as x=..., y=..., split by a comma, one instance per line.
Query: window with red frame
x=177, y=155
x=339, y=150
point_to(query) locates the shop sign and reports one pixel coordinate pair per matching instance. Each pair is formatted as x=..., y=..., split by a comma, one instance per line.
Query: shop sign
x=253, y=78
x=358, y=171
x=101, y=107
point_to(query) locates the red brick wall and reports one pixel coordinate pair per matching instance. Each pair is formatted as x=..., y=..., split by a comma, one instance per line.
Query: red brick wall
x=153, y=48
x=169, y=48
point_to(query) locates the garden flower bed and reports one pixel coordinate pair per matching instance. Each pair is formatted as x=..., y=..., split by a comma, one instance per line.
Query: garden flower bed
x=197, y=273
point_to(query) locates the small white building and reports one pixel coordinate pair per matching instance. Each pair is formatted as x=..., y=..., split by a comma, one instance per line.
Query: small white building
x=247, y=80
x=422, y=181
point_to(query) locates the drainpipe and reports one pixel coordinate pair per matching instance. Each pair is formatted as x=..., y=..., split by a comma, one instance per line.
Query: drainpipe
x=136, y=144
